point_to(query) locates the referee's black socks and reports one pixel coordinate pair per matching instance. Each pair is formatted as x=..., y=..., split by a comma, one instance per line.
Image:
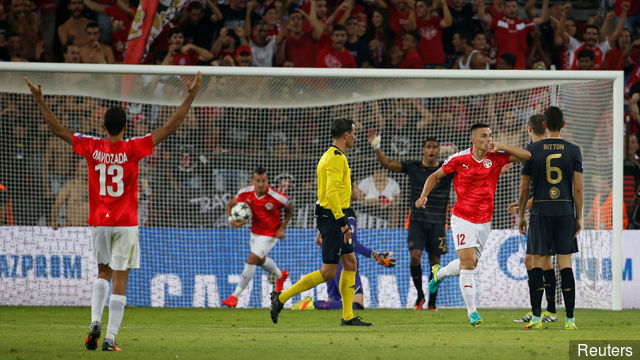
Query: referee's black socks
x=568, y=290
x=536, y=290
x=416, y=275
x=550, y=289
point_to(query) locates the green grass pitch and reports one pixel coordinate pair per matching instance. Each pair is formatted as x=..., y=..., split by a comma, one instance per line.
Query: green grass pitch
x=152, y=333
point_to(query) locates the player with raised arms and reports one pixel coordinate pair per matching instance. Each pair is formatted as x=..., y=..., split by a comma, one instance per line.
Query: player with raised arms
x=332, y=211
x=113, y=202
x=266, y=228
x=555, y=170
x=477, y=170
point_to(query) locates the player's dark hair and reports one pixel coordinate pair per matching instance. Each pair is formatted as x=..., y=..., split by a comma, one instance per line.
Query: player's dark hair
x=415, y=35
x=430, y=139
x=509, y=58
x=259, y=171
x=338, y=27
x=536, y=124
x=341, y=126
x=114, y=120
x=90, y=25
x=478, y=126
x=592, y=27
x=554, y=118
x=175, y=30
x=586, y=53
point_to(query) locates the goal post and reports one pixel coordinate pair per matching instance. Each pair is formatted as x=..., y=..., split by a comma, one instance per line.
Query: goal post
x=286, y=111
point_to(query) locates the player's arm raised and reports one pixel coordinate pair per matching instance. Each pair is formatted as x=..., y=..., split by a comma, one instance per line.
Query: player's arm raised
x=431, y=182
x=578, y=198
x=374, y=140
x=52, y=122
x=176, y=119
x=288, y=213
x=522, y=203
x=517, y=154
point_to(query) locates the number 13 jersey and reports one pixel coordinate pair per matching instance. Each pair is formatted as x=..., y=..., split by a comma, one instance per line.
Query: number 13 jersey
x=113, y=177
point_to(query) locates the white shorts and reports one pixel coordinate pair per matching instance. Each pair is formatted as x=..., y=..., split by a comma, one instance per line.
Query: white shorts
x=261, y=244
x=117, y=246
x=469, y=235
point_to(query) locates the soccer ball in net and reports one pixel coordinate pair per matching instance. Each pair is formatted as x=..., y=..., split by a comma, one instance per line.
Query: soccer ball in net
x=241, y=211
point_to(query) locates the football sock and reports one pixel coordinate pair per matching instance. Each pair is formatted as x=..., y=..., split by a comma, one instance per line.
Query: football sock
x=247, y=275
x=536, y=290
x=307, y=282
x=550, y=289
x=432, y=297
x=347, y=290
x=468, y=288
x=452, y=269
x=270, y=266
x=116, y=311
x=333, y=305
x=568, y=290
x=98, y=298
x=416, y=275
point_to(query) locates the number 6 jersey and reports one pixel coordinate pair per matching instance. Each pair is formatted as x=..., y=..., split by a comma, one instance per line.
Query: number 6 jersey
x=113, y=177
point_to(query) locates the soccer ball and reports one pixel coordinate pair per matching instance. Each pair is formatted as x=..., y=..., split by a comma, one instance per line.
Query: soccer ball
x=241, y=211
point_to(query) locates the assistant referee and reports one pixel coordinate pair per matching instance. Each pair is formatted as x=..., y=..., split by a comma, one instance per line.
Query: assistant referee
x=332, y=211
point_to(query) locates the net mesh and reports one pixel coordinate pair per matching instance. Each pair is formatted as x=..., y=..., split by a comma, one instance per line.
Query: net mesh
x=192, y=257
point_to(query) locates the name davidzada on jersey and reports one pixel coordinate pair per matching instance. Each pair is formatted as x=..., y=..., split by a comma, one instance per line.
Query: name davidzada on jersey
x=101, y=157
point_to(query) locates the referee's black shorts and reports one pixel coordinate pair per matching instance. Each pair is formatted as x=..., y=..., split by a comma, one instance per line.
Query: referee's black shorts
x=551, y=235
x=333, y=245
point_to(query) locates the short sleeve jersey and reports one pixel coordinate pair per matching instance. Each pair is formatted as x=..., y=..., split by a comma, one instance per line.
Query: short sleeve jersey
x=551, y=167
x=334, y=181
x=265, y=210
x=511, y=36
x=475, y=183
x=113, y=177
x=435, y=210
x=329, y=57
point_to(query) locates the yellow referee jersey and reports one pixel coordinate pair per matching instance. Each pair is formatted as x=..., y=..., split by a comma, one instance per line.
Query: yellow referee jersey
x=334, y=181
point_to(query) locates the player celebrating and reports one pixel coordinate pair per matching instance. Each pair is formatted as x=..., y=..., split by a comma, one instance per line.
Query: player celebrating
x=555, y=170
x=426, y=226
x=477, y=170
x=266, y=228
x=113, y=202
x=332, y=210
x=537, y=132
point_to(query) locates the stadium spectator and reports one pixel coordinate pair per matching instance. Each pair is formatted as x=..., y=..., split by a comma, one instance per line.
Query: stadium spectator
x=14, y=47
x=47, y=30
x=537, y=51
x=471, y=58
x=181, y=54
x=301, y=46
x=462, y=19
x=507, y=61
x=243, y=56
x=24, y=22
x=565, y=38
x=56, y=166
x=381, y=39
x=586, y=59
x=631, y=182
x=356, y=44
x=593, y=42
x=73, y=197
x=264, y=48
x=411, y=58
x=511, y=31
x=94, y=52
x=430, y=29
x=234, y=14
x=335, y=55
x=399, y=12
x=198, y=27
x=271, y=16
x=73, y=31
x=633, y=15
x=226, y=44
x=613, y=60
x=382, y=193
x=121, y=16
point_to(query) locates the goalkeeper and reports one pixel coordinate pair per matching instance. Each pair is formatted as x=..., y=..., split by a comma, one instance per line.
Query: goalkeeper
x=333, y=286
x=426, y=226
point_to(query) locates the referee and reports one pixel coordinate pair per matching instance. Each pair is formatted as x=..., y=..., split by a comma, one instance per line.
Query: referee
x=332, y=211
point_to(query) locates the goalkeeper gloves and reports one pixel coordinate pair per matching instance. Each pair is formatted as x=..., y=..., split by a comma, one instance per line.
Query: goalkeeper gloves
x=384, y=258
x=375, y=143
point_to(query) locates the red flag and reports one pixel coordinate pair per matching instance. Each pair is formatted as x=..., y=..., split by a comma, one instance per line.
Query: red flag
x=139, y=33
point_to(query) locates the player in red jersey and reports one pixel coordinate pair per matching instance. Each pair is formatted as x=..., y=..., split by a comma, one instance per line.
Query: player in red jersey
x=113, y=202
x=266, y=228
x=477, y=170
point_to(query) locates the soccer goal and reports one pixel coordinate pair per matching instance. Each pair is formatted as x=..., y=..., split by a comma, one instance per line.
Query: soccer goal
x=279, y=118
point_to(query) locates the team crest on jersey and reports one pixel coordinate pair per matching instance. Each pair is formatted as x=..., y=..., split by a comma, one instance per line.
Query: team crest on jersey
x=268, y=206
x=487, y=163
x=554, y=193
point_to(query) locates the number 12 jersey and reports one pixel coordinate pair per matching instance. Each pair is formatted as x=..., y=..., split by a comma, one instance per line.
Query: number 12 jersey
x=113, y=177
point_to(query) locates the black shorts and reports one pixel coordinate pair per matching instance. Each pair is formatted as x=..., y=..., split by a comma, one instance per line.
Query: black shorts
x=550, y=235
x=333, y=245
x=429, y=236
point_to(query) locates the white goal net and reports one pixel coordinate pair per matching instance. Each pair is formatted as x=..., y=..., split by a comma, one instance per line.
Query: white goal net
x=245, y=118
